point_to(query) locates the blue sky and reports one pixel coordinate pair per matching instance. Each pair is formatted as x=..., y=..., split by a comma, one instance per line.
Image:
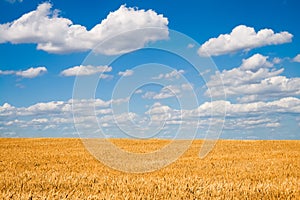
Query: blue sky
x=150, y=69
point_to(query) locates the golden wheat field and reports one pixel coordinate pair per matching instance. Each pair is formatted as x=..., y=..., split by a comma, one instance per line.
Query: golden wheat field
x=63, y=169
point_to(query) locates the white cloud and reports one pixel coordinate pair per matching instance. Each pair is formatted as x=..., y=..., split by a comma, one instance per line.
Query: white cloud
x=149, y=95
x=13, y=122
x=160, y=113
x=171, y=75
x=82, y=70
x=277, y=86
x=7, y=72
x=14, y=1
x=7, y=110
x=56, y=34
x=168, y=91
x=19, y=85
x=273, y=125
x=242, y=38
x=246, y=123
x=31, y=72
x=277, y=60
x=187, y=86
x=39, y=120
x=296, y=58
x=255, y=62
x=248, y=98
x=119, y=101
x=190, y=46
x=238, y=116
x=158, y=108
x=284, y=105
x=254, y=80
x=54, y=106
x=164, y=95
x=28, y=73
x=127, y=72
x=106, y=76
x=139, y=91
x=82, y=103
x=58, y=115
x=241, y=75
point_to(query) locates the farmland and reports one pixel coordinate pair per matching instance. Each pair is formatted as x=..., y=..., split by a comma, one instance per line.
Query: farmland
x=64, y=169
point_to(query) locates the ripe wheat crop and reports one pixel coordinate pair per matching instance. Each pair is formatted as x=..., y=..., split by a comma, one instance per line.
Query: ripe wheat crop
x=63, y=169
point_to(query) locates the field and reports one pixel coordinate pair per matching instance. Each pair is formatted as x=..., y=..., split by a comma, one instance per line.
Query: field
x=63, y=169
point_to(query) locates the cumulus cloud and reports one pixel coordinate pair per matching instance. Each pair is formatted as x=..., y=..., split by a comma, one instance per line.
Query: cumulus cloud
x=28, y=73
x=242, y=38
x=54, y=115
x=31, y=72
x=284, y=105
x=58, y=115
x=87, y=70
x=42, y=108
x=175, y=74
x=149, y=95
x=255, y=79
x=274, y=86
x=127, y=72
x=260, y=69
x=56, y=34
x=297, y=58
x=251, y=123
x=238, y=115
x=255, y=62
x=169, y=91
x=161, y=112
